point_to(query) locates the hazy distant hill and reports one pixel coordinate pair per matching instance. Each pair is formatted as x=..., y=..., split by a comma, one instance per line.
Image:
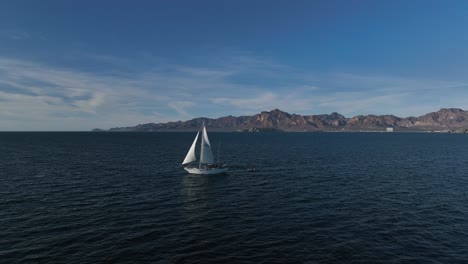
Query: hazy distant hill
x=448, y=119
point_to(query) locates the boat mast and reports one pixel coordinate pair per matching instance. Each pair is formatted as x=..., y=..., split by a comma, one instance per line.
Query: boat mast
x=201, y=151
x=219, y=147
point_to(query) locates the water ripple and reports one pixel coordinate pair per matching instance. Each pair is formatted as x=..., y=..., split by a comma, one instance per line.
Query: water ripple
x=316, y=198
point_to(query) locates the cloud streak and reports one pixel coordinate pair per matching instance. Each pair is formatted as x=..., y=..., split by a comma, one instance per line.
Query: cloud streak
x=68, y=100
x=181, y=107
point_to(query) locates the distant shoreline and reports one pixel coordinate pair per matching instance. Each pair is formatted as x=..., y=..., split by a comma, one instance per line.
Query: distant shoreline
x=446, y=120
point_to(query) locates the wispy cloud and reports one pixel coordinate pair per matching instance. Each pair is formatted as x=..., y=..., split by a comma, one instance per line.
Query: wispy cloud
x=380, y=94
x=70, y=100
x=263, y=101
x=181, y=107
x=18, y=35
x=38, y=96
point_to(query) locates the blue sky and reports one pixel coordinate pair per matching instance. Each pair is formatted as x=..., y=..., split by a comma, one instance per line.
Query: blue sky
x=76, y=65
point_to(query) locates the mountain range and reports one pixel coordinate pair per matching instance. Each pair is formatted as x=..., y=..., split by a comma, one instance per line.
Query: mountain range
x=446, y=119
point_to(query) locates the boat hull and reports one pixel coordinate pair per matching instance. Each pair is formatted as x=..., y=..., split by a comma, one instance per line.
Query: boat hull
x=193, y=170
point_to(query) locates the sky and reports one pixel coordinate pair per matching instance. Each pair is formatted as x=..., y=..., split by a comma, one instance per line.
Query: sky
x=77, y=65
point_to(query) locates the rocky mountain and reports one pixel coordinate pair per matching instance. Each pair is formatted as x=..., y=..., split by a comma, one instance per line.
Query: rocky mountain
x=446, y=119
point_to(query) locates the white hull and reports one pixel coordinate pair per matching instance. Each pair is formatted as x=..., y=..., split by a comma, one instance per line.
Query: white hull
x=193, y=170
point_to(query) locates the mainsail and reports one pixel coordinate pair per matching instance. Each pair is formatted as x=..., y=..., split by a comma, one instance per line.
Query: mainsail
x=206, y=155
x=191, y=153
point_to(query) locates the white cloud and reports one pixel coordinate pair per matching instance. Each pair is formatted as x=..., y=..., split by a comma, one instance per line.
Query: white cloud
x=380, y=94
x=362, y=102
x=15, y=34
x=263, y=101
x=69, y=100
x=181, y=107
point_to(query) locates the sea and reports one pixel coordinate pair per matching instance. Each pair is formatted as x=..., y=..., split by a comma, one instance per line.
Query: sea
x=84, y=197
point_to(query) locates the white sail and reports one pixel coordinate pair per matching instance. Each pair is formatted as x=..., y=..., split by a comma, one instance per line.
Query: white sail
x=191, y=153
x=206, y=155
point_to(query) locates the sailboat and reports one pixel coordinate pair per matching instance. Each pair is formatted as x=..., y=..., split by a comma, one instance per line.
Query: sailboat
x=206, y=164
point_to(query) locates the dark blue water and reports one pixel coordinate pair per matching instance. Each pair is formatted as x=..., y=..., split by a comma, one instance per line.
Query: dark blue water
x=316, y=198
